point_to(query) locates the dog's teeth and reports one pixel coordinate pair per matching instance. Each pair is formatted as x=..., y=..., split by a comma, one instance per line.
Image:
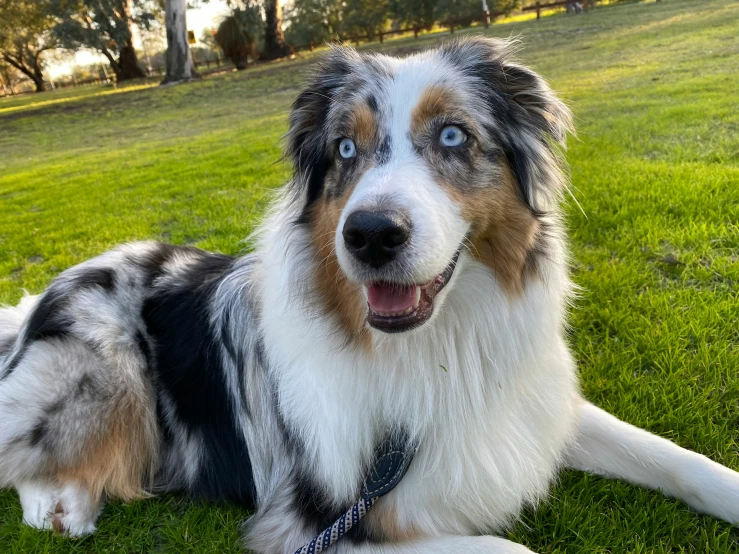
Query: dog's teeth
x=417, y=301
x=407, y=311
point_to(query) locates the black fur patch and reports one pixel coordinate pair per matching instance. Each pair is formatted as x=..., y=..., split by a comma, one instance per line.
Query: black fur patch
x=47, y=319
x=314, y=505
x=188, y=368
x=152, y=263
x=144, y=347
x=307, y=143
x=38, y=433
x=540, y=249
x=6, y=346
x=384, y=151
x=316, y=511
x=96, y=277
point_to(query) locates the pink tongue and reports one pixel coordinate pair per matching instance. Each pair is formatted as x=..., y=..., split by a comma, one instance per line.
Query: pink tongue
x=384, y=297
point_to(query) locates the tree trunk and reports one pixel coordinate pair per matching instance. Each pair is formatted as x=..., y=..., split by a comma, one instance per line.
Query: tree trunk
x=128, y=64
x=274, y=40
x=38, y=77
x=38, y=81
x=180, y=66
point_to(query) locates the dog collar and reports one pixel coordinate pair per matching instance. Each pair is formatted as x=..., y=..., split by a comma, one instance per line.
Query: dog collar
x=390, y=464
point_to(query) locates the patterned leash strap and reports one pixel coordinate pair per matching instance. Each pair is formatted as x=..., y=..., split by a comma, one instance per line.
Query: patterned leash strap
x=391, y=462
x=338, y=529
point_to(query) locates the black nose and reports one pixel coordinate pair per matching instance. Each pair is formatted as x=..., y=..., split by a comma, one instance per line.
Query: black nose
x=375, y=238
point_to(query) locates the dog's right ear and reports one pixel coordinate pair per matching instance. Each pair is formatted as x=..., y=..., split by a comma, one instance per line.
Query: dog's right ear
x=307, y=138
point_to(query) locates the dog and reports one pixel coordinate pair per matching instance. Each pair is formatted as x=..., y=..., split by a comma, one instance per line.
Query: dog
x=410, y=280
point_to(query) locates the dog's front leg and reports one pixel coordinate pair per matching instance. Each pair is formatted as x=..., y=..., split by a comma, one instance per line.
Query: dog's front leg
x=608, y=446
x=439, y=545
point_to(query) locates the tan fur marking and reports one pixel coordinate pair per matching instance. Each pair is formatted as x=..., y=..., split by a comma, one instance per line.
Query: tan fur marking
x=339, y=296
x=118, y=461
x=364, y=126
x=384, y=524
x=503, y=230
x=434, y=102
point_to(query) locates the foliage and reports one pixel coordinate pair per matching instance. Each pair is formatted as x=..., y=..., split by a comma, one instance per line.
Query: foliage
x=25, y=33
x=238, y=33
x=208, y=39
x=313, y=21
x=414, y=13
x=655, y=169
x=459, y=10
x=503, y=6
x=365, y=17
x=106, y=26
x=317, y=21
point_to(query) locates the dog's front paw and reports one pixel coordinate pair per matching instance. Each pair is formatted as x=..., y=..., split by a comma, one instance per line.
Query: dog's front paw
x=72, y=524
x=68, y=510
x=38, y=501
x=75, y=513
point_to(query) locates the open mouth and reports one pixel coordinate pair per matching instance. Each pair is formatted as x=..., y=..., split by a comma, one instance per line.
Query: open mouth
x=394, y=307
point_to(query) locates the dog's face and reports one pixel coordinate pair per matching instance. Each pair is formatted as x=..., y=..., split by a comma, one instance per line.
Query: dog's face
x=404, y=165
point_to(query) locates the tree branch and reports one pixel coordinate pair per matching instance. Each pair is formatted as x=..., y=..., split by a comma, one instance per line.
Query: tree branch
x=40, y=51
x=20, y=66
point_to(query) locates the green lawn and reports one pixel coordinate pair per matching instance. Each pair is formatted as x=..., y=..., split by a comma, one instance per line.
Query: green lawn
x=655, y=168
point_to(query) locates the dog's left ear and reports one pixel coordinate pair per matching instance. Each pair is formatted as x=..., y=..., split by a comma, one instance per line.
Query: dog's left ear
x=531, y=122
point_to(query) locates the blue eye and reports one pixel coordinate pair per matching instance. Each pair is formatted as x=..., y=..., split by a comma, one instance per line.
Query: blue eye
x=347, y=149
x=451, y=135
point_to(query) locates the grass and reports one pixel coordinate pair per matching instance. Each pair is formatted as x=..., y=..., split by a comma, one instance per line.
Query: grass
x=655, y=168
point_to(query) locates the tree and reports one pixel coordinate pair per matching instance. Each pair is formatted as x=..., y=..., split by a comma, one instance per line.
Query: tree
x=463, y=10
x=25, y=34
x=179, y=59
x=504, y=6
x=313, y=21
x=414, y=13
x=274, y=39
x=106, y=26
x=367, y=17
x=237, y=35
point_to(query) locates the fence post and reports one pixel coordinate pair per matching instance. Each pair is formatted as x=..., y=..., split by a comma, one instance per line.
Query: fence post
x=538, y=10
x=380, y=37
x=415, y=31
x=451, y=25
x=486, y=18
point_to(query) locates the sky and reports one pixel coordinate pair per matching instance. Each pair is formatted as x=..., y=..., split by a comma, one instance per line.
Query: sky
x=207, y=15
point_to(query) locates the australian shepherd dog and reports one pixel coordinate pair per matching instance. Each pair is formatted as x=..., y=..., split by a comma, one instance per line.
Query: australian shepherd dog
x=410, y=280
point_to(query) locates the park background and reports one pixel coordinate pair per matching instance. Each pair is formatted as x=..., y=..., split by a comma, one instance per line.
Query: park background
x=654, y=238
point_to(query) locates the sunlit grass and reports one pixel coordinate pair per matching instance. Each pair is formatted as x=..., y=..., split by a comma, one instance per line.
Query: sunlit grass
x=655, y=168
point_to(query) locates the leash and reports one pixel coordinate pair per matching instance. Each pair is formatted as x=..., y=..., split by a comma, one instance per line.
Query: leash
x=390, y=464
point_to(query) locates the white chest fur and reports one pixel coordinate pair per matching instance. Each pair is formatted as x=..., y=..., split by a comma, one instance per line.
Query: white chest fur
x=488, y=387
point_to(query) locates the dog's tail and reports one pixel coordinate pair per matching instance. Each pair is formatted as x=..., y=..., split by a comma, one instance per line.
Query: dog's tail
x=11, y=321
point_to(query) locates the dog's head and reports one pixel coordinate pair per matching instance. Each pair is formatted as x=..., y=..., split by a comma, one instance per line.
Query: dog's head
x=404, y=165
